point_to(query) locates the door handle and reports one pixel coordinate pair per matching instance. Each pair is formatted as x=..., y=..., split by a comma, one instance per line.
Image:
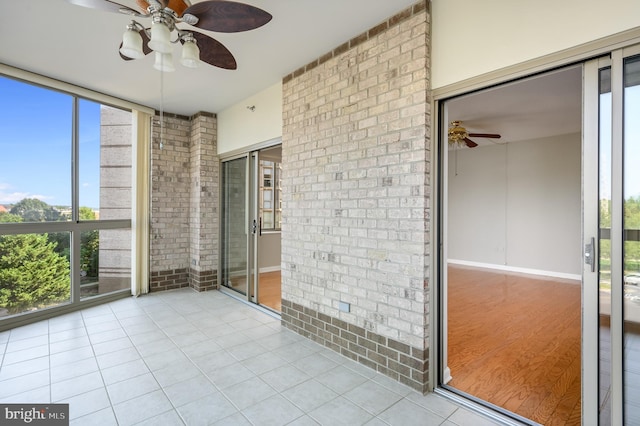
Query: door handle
x=260, y=228
x=590, y=254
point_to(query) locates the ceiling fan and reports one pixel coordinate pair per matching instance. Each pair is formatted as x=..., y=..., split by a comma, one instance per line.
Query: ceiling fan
x=213, y=15
x=458, y=134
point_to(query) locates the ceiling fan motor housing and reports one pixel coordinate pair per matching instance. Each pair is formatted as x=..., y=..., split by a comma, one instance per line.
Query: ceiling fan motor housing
x=457, y=133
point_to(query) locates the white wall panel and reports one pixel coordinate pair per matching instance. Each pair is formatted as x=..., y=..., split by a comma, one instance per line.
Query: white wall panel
x=256, y=119
x=471, y=38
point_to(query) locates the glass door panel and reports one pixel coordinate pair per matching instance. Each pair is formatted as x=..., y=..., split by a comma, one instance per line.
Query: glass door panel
x=631, y=249
x=619, y=240
x=604, y=266
x=255, y=227
x=234, y=253
x=268, y=241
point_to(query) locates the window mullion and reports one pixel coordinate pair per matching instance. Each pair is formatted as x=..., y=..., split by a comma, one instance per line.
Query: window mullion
x=75, y=207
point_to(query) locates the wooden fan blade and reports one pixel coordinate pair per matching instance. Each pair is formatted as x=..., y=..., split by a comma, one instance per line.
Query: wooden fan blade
x=106, y=5
x=227, y=16
x=145, y=46
x=143, y=5
x=213, y=52
x=485, y=135
x=470, y=143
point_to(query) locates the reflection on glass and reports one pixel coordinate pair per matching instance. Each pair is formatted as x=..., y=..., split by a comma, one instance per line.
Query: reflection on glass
x=631, y=222
x=34, y=272
x=105, y=161
x=105, y=262
x=234, y=232
x=270, y=195
x=604, y=268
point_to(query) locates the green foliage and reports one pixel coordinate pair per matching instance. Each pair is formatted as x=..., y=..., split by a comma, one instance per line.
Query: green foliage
x=32, y=274
x=86, y=213
x=34, y=268
x=631, y=221
x=89, y=253
x=34, y=210
x=9, y=218
x=90, y=244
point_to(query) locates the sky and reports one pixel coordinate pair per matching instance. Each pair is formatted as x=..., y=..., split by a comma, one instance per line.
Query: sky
x=35, y=145
x=631, y=152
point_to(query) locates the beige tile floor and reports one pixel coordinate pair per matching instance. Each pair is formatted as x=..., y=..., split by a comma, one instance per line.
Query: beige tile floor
x=182, y=357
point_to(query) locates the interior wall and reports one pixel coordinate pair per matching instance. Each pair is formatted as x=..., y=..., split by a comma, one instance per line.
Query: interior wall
x=270, y=249
x=470, y=38
x=254, y=120
x=517, y=205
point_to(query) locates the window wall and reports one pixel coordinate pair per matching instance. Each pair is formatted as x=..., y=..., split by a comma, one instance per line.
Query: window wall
x=65, y=199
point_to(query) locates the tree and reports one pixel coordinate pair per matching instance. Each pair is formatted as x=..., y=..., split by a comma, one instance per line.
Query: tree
x=6, y=217
x=32, y=274
x=89, y=247
x=86, y=213
x=34, y=210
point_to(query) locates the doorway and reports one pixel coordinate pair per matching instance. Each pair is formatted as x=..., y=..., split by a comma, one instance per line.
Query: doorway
x=561, y=214
x=511, y=238
x=251, y=217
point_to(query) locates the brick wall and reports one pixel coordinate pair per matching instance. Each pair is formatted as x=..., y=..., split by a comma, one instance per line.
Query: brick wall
x=203, y=219
x=355, y=205
x=184, y=180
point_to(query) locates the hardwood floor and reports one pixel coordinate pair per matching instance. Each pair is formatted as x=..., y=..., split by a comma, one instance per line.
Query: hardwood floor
x=514, y=341
x=269, y=291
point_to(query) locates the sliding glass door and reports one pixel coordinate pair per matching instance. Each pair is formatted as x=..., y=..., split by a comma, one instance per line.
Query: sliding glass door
x=235, y=253
x=511, y=221
x=250, y=233
x=618, y=303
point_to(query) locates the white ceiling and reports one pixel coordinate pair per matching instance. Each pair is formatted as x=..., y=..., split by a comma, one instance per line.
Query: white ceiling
x=537, y=107
x=80, y=46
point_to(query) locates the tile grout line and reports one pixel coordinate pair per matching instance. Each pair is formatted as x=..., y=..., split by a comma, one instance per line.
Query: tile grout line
x=142, y=358
x=99, y=369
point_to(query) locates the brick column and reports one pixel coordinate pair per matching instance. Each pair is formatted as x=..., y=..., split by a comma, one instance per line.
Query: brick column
x=184, y=202
x=203, y=214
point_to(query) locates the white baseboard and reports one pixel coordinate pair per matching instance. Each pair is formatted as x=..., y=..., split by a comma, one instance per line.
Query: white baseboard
x=516, y=269
x=270, y=269
x=447, y=375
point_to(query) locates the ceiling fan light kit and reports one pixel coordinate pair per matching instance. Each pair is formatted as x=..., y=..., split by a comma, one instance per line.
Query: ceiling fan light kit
x=458, y=135
x=190, y=53
x=160, y=37
x=132, y=43
x=164, y=62
x=213, y=15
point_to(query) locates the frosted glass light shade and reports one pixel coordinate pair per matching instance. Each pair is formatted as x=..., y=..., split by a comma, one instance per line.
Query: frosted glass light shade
x=190, y=55
x=164, y=62
x=132, y=44
x=160, y=38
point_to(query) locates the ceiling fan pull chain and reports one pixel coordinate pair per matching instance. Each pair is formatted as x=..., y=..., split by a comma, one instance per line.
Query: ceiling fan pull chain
x=161, y=107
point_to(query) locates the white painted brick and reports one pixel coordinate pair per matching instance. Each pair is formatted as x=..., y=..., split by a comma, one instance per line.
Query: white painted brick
x=354, y=152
